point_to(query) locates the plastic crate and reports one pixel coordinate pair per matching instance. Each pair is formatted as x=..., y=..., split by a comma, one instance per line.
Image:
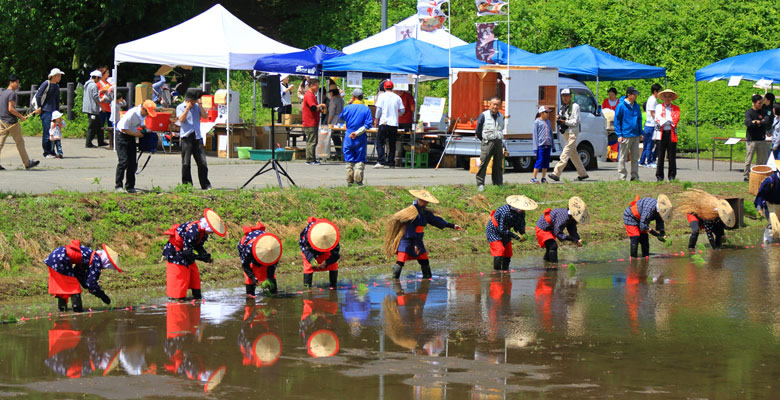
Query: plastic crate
x=158, y=123
x=265, y=155
x=420, y=160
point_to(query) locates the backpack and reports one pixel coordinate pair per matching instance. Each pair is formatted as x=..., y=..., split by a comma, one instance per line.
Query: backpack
x=34, y=106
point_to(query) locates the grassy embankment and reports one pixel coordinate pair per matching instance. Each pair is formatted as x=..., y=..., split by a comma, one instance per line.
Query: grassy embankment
x=34, y=225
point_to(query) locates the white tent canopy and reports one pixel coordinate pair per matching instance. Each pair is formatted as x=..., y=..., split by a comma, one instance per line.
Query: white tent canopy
x=439, y=37
x=213, y=39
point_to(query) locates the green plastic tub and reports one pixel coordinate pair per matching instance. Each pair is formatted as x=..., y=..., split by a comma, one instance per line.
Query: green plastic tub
x=243, y=152
x=265, y=155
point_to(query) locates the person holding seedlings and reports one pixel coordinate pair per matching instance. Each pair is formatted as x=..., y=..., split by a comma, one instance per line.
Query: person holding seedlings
x=75, y=266
x=319, y=243
x=706, y=212
x=406, y=229
x=55, y=133
x=184, y=240
x=638, y=216
x=551, y=225
x=260, y=251
x=499, y=229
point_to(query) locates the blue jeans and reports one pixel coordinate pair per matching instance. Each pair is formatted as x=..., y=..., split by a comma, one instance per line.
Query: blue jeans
x=648, y=153
x=56, y=146
x=45, y=142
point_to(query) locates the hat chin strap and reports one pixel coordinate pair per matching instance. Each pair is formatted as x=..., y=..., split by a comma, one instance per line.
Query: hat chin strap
x=203, y=224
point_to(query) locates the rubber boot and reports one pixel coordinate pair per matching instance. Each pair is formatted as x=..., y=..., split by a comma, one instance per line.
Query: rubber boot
x=505, y=263
x=497, y=263
x=553, y=255
x=307, y=278
x=196, y=294
x=644, y=242
x=692, y=240
x=397, y=268
x=62, y=304
x=425, y=267
x=275, y=289
x=546, y=255
x=76, y=302
x=250, y=289
x=634, y=246
x=334, y=279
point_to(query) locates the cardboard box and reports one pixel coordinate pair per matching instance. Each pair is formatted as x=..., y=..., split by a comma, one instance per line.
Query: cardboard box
x=449, y=161
x=299, y=153
x=475, y=163
x=292, y=119
x=143, y=91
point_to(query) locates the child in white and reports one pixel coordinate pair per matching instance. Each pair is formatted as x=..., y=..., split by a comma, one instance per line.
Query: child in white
x=55, y=132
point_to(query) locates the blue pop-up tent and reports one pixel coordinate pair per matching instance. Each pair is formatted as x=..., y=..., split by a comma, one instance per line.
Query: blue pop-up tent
x=469, y=50
x=410, y=56
x=306, y=62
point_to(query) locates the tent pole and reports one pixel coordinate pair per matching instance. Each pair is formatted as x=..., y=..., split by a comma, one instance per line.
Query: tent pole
x=254, y=112
x=227, y=123
x=696, y=120
x=597, y=88
x=666, y=83
x=116, y=105
x=203, y=81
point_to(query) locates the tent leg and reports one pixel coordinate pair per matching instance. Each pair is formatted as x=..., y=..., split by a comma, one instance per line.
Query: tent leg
x=227, y=123
x=254, y=113
x=666, y=83
x=116, y=106
x=597, y=89
x=203, y=81
x=696, y=120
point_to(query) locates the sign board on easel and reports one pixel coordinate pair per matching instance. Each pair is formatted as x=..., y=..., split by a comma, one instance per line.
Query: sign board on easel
x=432, y=109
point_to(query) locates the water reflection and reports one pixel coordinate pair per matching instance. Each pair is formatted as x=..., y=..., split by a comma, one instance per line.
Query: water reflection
x=259, y=344
x=317, y=324
x=74, y=352
x=184, y=334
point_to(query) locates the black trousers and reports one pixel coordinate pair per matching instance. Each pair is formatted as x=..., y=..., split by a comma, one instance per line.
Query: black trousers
x=389, y=133
x=664, y=146
x=126, y=153
x=642, y=240
x=193, y=148
x=95, y=130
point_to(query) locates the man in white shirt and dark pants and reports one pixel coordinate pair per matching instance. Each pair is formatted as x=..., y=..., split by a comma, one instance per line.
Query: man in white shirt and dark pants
x=647, y=159
x=388, y=107
x=189, y=114
x=128, y=130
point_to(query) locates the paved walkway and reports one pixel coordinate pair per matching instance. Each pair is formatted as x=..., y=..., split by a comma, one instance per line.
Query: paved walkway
x=88, y=170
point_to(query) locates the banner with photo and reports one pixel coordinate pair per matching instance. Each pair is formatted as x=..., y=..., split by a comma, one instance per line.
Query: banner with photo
x=485, y=39
x=430, y=8
x=431, y=24
x=491, y=7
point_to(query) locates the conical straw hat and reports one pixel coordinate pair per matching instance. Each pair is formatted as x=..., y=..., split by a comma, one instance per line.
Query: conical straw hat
x=323, y=235
x=665, y=207
x=267, y=249
x=667, y=93
x=323, y=343
x=521, y=202
x=113, y=256
x=423, y=194
x=215, y=379
x=775, y=222
x=579, y=210
x=726, y=213
x=267, y=348
x=215, y=222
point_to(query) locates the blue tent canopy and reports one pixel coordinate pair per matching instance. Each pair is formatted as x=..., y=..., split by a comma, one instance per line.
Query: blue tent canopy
x=469, y=50
x=587, y=63
x=752, y=66
x=306, y=62
x=410, y=56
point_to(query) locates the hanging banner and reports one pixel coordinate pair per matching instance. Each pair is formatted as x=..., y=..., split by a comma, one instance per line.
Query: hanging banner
x=355, y=79
x=485, y=39
x=403, y=32
x=430, y=8
x=400, y=81
x=431, y=24
x=491, y=7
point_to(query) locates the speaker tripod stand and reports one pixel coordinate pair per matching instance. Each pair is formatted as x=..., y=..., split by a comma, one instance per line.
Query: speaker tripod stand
x=272, y=164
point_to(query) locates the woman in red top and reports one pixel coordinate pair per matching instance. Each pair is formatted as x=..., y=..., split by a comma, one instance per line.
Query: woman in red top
x=610, y=102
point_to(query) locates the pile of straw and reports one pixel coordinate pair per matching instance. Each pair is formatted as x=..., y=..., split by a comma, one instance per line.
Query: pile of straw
x=695, y=201
x=395, y=229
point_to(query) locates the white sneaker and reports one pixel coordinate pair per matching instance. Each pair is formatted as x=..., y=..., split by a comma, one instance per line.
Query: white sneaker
x=652, y=166
x=481, y=188
x=378, y=165
x=50, y=156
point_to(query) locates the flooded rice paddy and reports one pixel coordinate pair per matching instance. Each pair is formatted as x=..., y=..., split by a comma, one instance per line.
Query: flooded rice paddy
x=664, y=328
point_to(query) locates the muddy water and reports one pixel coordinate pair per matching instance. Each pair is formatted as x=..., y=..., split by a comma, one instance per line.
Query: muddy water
x=662, y=328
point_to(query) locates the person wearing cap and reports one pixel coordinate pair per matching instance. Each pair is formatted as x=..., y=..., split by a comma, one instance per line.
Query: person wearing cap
x=185, y=245
x=310, y=112
x=128, y=130
x=647, y=159
x=628, y=128
x=767, y=203
x=189, y=114
x=569, y=125
x=555, y=223
x=406, y=230
x=10, y=121
x=320, y=247
x=75, y=266
x=490, y=132
x=543, y=142
x=757, y=125
x=706, y=212
x=667, y=115
x=55, y=133
x=637, y=218
x=358, y=120
x=91, y=107
x=499, y=229
x=285, y=89
x=259, y=252
x=388, y=107
x=48, y=99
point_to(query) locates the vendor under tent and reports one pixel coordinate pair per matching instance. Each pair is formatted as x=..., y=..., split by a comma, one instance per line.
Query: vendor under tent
x=469, y=50
x=305, y=62
x=222, y=41
x=759, y=66
x=399, y=31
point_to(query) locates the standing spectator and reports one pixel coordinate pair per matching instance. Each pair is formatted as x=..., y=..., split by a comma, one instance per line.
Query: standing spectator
x=667, y=115
x=310, y=111
x=542, y=138
x=335, y=106
x=769, y=102
x=388, y=107
x=105, y=94
x=755, y=122
x=55, y=132
x=91, y=107
x=285, y=89
x=628, y=128
x=9, y=121
x=406, y=119
x=358, y=119
x=648, y=154
x=48, y=100
x=776, y=132
x=119, y=101
x=569, y=126
x=189, y=114
x=490, y=131
x=611, y=102
x=128, y=128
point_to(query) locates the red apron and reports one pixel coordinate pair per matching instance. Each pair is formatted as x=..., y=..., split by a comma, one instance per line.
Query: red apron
x=261, y=273
x=179, y=279
x=542, y=235
x=631, y=230
x=308, y=268
x=497, y=247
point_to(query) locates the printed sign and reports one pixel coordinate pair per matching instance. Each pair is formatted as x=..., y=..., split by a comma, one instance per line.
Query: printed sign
x=432, y=109
x=400, y=81
x=355, y=79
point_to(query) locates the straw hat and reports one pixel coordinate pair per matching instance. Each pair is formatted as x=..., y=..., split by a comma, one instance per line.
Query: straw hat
x=215, y=379
x=215, y=222
x=323, y=343
x=323, y=235
x=775, y=222
x=267, y=249
x=668, y=92
x=423, y=194
x=267, y=348
x=521, y=202
x=113, y=256
x=726, y=213
x=112, y=363
x=777, y=164
x=665, y=207
x=579, y=210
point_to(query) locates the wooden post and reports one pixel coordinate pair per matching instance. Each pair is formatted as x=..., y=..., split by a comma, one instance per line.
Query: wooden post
x=70, y=98
x=130, y=95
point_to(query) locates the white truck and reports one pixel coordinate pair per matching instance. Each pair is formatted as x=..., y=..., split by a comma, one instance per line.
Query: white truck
x=529, y=87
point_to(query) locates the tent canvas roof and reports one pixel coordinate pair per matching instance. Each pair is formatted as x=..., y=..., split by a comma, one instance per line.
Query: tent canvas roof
x=752, y=66
x=500, y=57
x=306, y=62
x=213, y=39
x=439, y=37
